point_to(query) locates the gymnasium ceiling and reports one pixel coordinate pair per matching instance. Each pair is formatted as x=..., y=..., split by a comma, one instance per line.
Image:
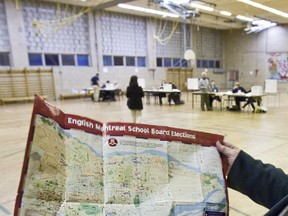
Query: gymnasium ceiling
x=198, y=17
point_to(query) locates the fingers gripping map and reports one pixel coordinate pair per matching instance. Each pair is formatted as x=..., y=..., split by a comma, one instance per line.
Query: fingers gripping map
x=78, y=166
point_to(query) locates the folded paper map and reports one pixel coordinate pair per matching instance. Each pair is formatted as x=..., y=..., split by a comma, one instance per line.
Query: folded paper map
x=78, y=166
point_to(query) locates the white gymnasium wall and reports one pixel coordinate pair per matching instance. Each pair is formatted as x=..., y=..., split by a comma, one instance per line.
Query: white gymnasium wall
x=173, y=47
x=99, y=33
x=277, y=39
x=16, y=34
x=209, y=44
x=5, y=40
x=71, y=38
x=123, y=34
x=249, y=53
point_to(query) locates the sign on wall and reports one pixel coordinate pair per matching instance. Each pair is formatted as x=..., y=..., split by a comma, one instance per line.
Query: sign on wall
x=278, y=66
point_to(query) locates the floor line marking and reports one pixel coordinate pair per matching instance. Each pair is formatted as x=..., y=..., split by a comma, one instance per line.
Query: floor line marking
x=6, y=211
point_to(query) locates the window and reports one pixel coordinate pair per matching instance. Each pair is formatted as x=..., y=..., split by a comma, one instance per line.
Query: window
x=51, y=59
x=211, y=63
x=130, y=61
x=141, y=61
x=4, y=59
x=199, y=61
x=35, y=59
x=217, y=64
x=82, y=60
x=184, y=63
x=204, y=63
x=68, y=60
x=118, y=61
x=107, y=60
x=167, y=62
x=159, y=62
x=176, y=62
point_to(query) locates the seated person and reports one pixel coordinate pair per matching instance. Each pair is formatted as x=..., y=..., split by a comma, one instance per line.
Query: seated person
x=106, y=95
x=239, y=89
x=174, y=96
x=161, y=95
x=250, y=101
x=212, y=97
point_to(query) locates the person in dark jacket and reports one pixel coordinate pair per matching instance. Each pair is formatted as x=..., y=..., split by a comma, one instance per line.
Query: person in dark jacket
x=134, y=94
x=161, y=94
x=239, y=89
x=174, y=96
x=263, y=183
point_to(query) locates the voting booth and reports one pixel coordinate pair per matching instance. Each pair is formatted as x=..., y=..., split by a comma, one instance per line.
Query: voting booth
x=270, y=86
x=257, y=90
x=167, y=87
x=192, y=84
x=141, y=82
x=271, y=89
x=109, y=86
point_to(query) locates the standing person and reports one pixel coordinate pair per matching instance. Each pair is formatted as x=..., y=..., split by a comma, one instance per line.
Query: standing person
x=204, y=88
x=134, y=93
x=96, y=87
x=212, y=97
x=263, y=183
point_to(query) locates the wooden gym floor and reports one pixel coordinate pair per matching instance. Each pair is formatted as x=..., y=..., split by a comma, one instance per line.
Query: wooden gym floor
x=264, y=136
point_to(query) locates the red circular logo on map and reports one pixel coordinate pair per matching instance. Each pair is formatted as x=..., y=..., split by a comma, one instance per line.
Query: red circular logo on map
x=112, y=142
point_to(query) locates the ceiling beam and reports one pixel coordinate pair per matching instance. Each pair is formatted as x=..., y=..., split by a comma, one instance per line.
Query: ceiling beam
x=215, y=22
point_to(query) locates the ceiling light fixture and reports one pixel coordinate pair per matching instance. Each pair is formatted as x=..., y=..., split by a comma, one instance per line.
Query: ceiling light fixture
x=244, y=18
x=147, y=10
x=177, y=1
x=226, y=13
x=263, y=7
x=262, y=22
x=203, y=7
x=258, y=25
